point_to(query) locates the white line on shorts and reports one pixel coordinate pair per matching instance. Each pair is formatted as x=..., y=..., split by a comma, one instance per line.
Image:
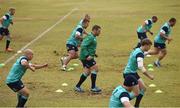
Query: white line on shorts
x=42, y=34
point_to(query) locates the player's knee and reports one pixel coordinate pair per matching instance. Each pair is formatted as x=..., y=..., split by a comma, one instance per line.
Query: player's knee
x=72, y=55
x=87, y=73
x=8, y=38
x=164, y=52
x=1, y=37
x=144, y=89
x=76, y=56
x=95, y=68
x=136, y=94
x=26, y=93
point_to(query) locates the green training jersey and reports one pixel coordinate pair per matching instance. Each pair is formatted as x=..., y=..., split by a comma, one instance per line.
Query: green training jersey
x=17, y=71
x=7, y=20
x=132, y=65
x=117, y=94
x=148, y=26
x=165, y=29
x=88, y=46
x=72, y=39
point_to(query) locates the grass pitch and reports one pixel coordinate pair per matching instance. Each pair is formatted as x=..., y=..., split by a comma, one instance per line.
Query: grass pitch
x=119, y=20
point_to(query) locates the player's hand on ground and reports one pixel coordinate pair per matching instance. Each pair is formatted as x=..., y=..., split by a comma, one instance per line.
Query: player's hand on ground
x=89, y=58
x=151, y=77
x=96, y=55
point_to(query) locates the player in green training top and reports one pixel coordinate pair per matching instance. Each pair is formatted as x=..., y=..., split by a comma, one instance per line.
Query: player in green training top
x=87, y=54
x=5, y=22
x=74, y=42
x=135, y=62
x=143, y=29
x=16, y=73
x=160, y=41
x=121, y=95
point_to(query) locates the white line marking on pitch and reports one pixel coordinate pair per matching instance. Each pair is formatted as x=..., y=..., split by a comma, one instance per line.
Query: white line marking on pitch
x=42, y=34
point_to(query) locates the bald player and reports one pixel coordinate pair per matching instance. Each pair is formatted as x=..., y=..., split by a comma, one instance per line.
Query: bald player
x=16, y=73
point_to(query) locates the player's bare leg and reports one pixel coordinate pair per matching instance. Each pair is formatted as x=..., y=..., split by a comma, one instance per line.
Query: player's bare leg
x=65, y=60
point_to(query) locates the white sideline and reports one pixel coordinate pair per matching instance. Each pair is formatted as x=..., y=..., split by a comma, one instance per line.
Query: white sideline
x=42, y=34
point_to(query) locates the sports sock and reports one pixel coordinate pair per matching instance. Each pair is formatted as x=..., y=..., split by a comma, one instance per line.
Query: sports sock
x=22, y=100
x=7, y=44
x=82, y=79
x=139, y=98
x=93, y=79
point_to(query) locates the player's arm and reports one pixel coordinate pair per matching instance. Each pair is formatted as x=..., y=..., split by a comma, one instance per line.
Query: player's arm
x=5, y=17
x=127, y=104
x=145, y=24
x=84, y=32
x=25, y=63
x=163, y=32
x=39, y=66
x=79, y=33
x=140, y=63
x=150, y=32
x=1, y=20
x=125, y=100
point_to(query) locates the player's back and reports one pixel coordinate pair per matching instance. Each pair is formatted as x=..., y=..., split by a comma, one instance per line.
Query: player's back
x=167, y=29
x=115, y=97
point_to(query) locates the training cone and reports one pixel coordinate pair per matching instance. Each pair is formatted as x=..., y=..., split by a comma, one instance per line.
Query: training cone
x=152, y=85
x=70, y=69
x=64, y=84
x=2, y=65
x=158, y=91
x=59, y=91
x=19, y=51
x=75, y=64
x=148, y=55
x=150, y=65
x=150, y=69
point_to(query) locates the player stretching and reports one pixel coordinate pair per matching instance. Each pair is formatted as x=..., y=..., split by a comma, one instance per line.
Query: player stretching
x=143, y=29
x=5, y=21
x=160, y=41
x=74, y=42
x=135, y=62
x=121, y=95
x=16, y=73
x=87, y=54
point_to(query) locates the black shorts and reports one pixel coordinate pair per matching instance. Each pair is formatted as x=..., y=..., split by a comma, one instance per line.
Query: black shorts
x=133, y=74
x=16, y=86
x=141, y=36
x=71, y=47
x=4, y=31
x=160, y=45
x=88, y=63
